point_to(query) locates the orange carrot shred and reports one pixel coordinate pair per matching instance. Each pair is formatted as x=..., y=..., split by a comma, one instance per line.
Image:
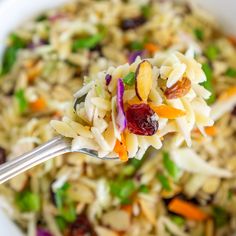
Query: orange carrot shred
x=33, y=71
x=38, y=105
x=211, y=130
x=187, y=210
x=165, y=111
x=151, y=47
x=121, y=149
x=228, y=93
x=127, y=208
x=134, y=100
x=232, y=39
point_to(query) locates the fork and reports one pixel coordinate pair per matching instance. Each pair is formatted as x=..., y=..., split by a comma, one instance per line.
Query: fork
x=53, y=148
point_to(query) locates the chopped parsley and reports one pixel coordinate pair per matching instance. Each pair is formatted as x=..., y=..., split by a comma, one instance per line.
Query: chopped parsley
x=208, y=84
x=170, y=166
x=28, y=201
x=10, y=55
x=199, y=33
x=129, y=79
x=164, y=182
x=21, y=100
x=88, y=42
x=231, y=72
x=123, y=189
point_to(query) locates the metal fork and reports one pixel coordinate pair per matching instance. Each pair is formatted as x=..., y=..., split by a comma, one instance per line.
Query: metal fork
x=53, y=148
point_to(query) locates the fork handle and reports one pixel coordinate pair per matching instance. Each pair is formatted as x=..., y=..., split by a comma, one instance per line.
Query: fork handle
x=55, y=147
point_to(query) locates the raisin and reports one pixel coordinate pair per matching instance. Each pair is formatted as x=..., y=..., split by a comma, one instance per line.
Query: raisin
x=141, y=120
x=132, y=23
x=3, y=156
x=179, y=89
x=81, y=227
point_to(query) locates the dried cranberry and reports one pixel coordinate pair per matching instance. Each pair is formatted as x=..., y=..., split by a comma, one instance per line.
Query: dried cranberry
x=3, y=156
x=132, y=23
x=81, y=227
x=141, y=120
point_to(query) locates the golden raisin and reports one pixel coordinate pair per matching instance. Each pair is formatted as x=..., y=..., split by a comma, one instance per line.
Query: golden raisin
x=179, y=89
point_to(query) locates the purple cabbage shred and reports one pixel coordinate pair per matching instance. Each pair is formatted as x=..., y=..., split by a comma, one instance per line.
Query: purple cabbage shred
x=134, y=55
x=108, y=79
x=43, y=232
x=120, y=119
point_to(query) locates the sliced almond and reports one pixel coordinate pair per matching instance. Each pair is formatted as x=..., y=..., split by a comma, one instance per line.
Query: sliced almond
x=116, y=219
x=143, y=80
x=81, y=193
x=19, y=182
x=148, y=209
x=102, y=231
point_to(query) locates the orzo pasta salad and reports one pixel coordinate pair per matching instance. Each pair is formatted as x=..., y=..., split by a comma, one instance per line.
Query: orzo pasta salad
x=129, y=108
x=186, y=188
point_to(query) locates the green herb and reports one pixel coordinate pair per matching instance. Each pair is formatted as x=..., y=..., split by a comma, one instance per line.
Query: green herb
x=230, y=194
x=21, y=100
x=212, y=52
x=64, y=204
x=178, y=220
x=60, y=195
x=208, y=84
x=102, y=29
x=123, y=189
x=137, y=163
x=87, y=42
x=136, y=45
x=129, y=79
x=131, y=167
x=99, y=89
x=128, y=170
x=68, y=212
x=41, y=18
x=170, y=166
x=146, y=11
x=231, y=72
x=220, y=216
x=28, y=201
x=61, y=223
x=10, y=54
x=143, y=189
x=164, y=182
x=199, y=34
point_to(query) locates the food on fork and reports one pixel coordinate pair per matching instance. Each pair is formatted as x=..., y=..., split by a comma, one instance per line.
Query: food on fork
x=127, y=109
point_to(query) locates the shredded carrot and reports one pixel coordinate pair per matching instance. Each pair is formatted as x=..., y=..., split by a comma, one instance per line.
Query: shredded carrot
x=232, y=39
x=211, y=130
x=230, y=92
x=121, y=149
x=151, y=47
x=187, y=210
x=165, y=111
x=38, y=105
x=56, y=115
x=127, y=208
x=134, y=100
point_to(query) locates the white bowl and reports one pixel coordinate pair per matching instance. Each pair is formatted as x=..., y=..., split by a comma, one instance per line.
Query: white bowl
x=14, y=12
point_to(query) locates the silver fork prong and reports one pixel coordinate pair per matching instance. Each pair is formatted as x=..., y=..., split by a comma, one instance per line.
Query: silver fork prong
x=94, y=153
x=55, y=147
